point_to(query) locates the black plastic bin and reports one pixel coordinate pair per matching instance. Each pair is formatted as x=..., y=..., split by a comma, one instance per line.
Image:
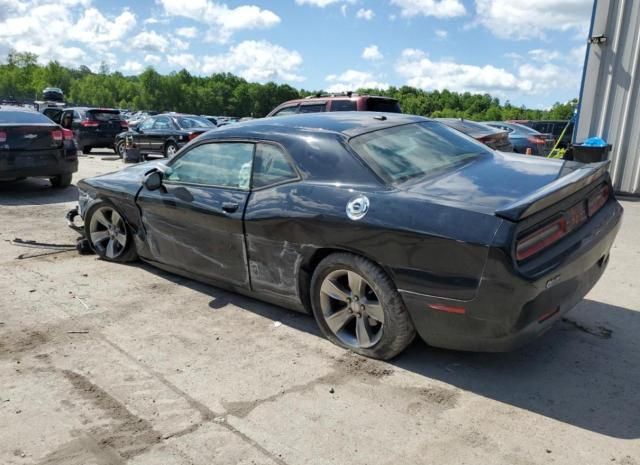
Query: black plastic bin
x=588, y=154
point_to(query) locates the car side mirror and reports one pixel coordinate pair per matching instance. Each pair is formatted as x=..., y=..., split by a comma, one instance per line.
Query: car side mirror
x=153, y=180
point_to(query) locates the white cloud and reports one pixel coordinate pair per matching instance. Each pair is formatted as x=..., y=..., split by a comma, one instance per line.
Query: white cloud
x=184, y=61
x=437, y=8
x=420, y=71
x=224, y=21
x=543, y=55
x=132, y=67
x=153, y=59
x=94, y=27
x=365, y=14
x=187, y=32
x=525, y=19
x=44, y=27
x=352, y=80
x=441, y=34
x=149, y=41
x=256, y=61
x=343, y=10
x=318, y=3
x=372, y=52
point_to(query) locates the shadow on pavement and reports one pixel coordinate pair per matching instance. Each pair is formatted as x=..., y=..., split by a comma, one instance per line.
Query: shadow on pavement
x=35, y=191
x=583, y=372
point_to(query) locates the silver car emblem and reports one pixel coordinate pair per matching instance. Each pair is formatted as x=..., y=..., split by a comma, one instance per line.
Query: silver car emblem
x=358, y=207
x=30, y=136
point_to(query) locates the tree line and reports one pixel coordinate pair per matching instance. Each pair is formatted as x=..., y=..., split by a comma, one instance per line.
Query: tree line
x=21, y=77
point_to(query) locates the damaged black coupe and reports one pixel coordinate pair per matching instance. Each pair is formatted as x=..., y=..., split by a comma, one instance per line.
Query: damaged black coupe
x=380, y=225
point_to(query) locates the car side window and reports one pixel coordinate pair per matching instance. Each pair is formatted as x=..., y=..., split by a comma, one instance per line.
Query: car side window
x=271, y=166
x=147, y=123
x=219, y=164
x=162, y=122
x=314, y=108
x=292, y=110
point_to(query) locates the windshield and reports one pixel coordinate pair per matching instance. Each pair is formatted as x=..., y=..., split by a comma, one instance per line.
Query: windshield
x=403, y=152
x=190, y=122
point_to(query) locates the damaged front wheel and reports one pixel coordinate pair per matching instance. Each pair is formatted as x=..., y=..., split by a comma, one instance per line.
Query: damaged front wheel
x=108, y=234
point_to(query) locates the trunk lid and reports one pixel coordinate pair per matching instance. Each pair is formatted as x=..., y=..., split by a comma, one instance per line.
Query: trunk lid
x=500, y=183
x=29, y=138
x=109, y=121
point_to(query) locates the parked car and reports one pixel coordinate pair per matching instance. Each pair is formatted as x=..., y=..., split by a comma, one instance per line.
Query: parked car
x=554, y=127
x=53, y=94
x=497, y=139
x=163, y=134
x=31, y=145
x=523, y=137
x=349, y=102
x=378, y=226
x=212, y=119
x=92, y=127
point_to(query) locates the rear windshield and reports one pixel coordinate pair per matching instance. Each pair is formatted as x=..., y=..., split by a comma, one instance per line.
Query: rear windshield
x=103, y=115
x=190, y=122
x=23, y=117
x=383, y=104
x=343, y=105
x=469, y=127
x=403, y=152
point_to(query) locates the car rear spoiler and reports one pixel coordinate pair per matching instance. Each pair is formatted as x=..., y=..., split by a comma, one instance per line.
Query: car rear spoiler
x=554, y=192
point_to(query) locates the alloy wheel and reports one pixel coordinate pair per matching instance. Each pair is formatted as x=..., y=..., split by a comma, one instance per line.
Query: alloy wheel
x=351, y=309
x=108, y=232
x=171, y=150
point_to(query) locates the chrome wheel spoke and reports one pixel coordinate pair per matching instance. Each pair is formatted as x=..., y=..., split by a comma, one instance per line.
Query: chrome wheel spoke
x=121, y=238
x=111, y=248
x=339, y=319
x=357, y=284
x=99, y=236
x=374, y=310
x=363, y=332
x=116, y=219
x=100, y=218
x=334, y=290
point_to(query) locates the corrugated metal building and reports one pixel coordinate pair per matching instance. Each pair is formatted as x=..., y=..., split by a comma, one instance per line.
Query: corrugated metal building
x=609, y=100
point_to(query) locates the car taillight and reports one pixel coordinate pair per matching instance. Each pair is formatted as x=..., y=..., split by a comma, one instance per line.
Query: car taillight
x=535, y=140
x=541, y=238
x=124, y=125
x=67, y=134
x=597, y=200
x=3, y=137
x=56, y=135
x=193, y=135
x=87, y=123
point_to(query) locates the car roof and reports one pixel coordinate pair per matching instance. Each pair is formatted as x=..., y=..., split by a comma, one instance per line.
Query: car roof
x=16, y=108
x=347, y=123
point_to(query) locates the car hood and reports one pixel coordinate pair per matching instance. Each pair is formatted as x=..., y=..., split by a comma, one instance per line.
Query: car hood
x=492, y=182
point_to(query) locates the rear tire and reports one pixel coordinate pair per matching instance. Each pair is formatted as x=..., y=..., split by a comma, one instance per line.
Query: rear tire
x=108, y=233
x=61, y=181
x=357, y=306
x=120, y=148
x=170, y=150
x=87, y=149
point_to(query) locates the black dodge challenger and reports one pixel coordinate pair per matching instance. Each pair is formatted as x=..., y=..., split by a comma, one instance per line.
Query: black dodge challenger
x=381, y=225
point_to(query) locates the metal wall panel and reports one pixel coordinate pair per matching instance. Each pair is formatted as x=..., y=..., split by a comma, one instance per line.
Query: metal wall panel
x=609, y=97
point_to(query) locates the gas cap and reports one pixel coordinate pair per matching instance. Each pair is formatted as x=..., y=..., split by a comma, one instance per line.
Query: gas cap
x=358, y=207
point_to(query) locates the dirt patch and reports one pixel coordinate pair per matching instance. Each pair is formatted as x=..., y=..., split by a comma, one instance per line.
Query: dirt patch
x=124, y=432
x=354, y=364
x=22, y=341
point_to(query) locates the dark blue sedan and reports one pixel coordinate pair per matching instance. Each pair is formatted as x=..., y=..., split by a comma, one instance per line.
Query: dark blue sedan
x=523, y=137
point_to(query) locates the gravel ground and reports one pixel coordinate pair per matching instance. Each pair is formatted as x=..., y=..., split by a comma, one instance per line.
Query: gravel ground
x=112, y=364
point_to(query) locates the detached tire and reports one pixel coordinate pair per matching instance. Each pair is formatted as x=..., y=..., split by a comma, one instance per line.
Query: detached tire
x=358, y=307
x=109, y=234
x=61, y=181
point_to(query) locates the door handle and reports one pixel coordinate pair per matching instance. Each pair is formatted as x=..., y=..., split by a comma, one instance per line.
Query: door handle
x=230, y=207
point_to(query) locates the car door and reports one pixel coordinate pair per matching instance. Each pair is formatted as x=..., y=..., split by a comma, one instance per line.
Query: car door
x=162, y=129
x=142, y=133
x=194, y=222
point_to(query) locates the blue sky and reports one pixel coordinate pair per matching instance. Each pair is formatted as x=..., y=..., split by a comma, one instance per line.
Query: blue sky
x=529, y=52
